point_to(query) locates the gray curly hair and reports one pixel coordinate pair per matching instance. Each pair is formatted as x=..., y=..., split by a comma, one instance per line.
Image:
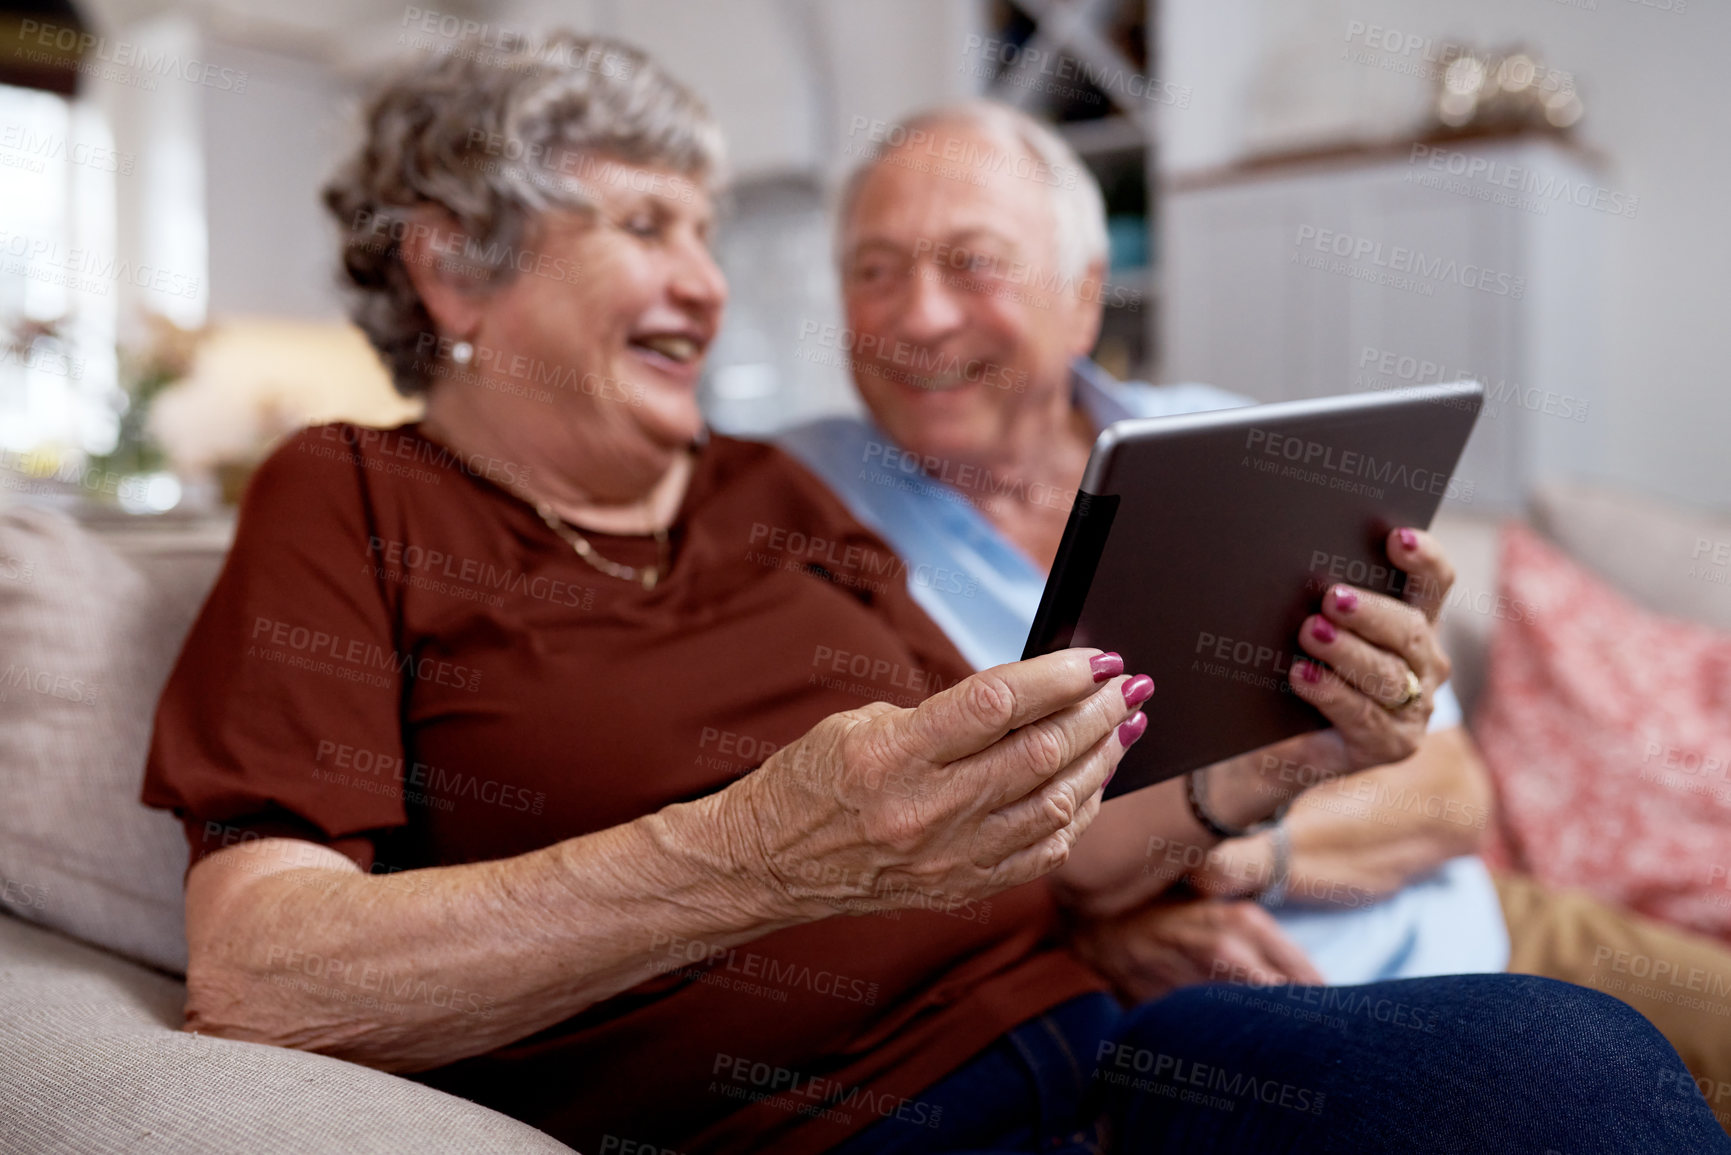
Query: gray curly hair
x=488, y=137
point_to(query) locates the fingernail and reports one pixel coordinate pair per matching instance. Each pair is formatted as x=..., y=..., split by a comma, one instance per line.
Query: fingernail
x=1324, y=630
x=1345, y=601
x=1309, y=671
x=1132, y=729
x=1107, y=665
x=1408, y=538
x=1138, y=690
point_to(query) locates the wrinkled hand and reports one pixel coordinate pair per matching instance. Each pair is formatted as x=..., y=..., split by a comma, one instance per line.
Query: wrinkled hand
x=1157, y=948
x=1368, y=642
x=982, y=787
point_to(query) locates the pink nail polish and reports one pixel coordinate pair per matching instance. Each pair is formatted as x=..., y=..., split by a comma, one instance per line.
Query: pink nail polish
x=1408, y=538
x=1138, y=690
x=1310, y=672
x=1345, y=600
x=1107, y=665
x=1131, y=729
x=1324, y=630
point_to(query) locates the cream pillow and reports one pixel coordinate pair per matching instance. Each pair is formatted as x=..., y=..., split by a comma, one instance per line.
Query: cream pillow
x=87, y=638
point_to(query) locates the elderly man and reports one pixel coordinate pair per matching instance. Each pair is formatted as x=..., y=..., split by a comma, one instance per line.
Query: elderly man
x=972, y=256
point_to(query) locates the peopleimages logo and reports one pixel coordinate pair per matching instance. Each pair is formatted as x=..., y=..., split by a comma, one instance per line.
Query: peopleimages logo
x=918, y=364
x=1118, y=1062
x=966, y=154
x=1397, y=370
x=422, y=782
x=1353, y=464
x=39, y=359
x=813, y=1095
x=71, y=45
x=86, y=270
x=502, y=46
x=384, y=229
x=38, y=148
x=1029, y=66
x=1419, y=55
x=1370, y=257
x=546, y=162
x=961, y=266
x=1542, y=186
x=49, y=684
x=690, y=955
x=372, y=986
x=851, y=564
x=307, y=648
x=391, y=444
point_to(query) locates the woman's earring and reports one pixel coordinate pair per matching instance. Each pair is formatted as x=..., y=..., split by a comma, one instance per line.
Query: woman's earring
x=462, y=352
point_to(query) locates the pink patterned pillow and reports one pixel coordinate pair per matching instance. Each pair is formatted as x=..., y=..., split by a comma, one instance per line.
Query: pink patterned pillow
x=1607, y=729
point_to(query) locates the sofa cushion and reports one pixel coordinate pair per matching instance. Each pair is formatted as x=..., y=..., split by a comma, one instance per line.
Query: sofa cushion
x=93, y=1065
x=1607, y=730
x=1665, y=556
x=87, y=638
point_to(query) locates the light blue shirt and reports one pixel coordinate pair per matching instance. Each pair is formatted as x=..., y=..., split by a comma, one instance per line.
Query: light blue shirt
x=984, y=592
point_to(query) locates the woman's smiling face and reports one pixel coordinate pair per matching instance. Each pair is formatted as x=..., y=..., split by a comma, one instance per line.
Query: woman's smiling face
x=612, y=312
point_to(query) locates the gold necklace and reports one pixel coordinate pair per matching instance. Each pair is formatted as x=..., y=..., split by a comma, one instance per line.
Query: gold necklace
x=648, y=576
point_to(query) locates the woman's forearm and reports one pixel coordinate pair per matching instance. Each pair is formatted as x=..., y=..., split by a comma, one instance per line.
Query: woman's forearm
x=291, y=944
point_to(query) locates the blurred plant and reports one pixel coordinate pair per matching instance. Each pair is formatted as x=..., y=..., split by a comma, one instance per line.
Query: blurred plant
x=256, y=379
x=27, y=337
x=41, y=345
x=35, y=344
x=164, y=358
x=1512, y=90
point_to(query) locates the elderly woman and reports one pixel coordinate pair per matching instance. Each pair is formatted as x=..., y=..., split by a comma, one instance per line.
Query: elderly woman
x=517, y=751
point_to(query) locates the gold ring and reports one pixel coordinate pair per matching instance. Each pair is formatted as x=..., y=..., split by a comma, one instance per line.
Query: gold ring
x=1414, y=691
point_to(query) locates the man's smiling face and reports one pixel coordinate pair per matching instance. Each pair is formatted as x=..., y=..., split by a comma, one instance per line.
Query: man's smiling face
x=962, y=320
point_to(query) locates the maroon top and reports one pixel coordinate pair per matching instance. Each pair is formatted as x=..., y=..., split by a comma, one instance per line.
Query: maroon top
x=402, y=661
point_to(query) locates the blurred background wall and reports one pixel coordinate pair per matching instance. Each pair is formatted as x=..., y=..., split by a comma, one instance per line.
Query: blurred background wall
x=1273, y=75
x=1235, y=136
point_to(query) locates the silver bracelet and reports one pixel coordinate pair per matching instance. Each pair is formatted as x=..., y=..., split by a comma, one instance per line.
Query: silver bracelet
x=1193, y=791
x=1280, y=876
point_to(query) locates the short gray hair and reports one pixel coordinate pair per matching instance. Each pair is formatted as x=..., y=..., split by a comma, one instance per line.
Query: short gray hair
x=485, y=136
x=1078, y=206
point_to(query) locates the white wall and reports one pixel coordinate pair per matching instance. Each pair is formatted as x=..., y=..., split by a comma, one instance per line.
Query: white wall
x=268, y=153
x=788, y=79
x=1270, y=75
x=785, y=77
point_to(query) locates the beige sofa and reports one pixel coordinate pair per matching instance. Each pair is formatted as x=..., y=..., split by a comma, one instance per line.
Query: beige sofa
x=91, y=944
x=91, y=1060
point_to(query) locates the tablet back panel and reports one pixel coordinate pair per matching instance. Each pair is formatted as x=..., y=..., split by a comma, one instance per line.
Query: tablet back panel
x=1200, y=543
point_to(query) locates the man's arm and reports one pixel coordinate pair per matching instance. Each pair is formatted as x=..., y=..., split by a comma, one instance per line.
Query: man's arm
x=1354, y=840
x=1358, y=839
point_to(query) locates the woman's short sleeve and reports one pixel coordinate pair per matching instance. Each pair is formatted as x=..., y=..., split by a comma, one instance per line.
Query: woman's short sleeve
x=292, y=677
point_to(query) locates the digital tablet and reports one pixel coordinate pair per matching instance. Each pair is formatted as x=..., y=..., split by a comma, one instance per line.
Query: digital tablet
x=1198, y=544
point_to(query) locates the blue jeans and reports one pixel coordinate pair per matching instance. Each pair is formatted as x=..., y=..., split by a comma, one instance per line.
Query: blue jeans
x=1467, y=1063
